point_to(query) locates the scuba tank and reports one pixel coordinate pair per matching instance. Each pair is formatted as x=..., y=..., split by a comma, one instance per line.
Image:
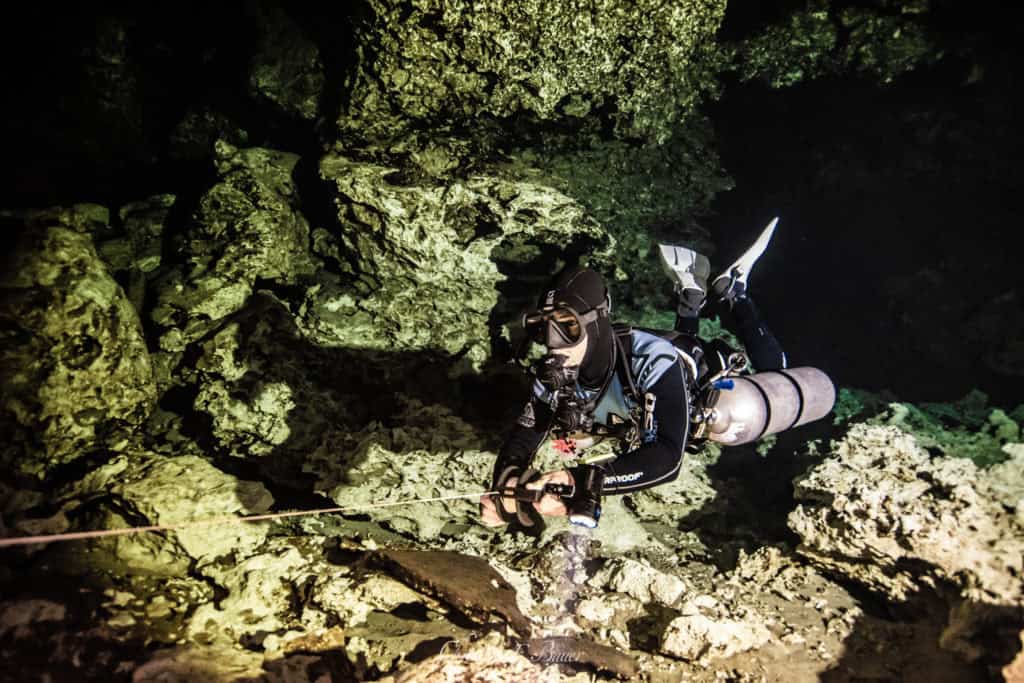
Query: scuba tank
x=734, y=409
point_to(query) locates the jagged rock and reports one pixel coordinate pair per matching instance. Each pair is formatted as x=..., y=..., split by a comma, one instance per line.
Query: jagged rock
x=431, y=63
x=286, y=69
x=807, y=45
x=195, y=136
x=259, y=591
x=882, y=501
x=424, y=256
x=275, y=399
x=161, y=490
x=889, y=516
x=74, y=364
x=639, y=580
x=1014, y=671
x=695, y=635
x=678, y=499
x=247, y=228
x=1005, y=481
x=136, y=255
x=434, y=454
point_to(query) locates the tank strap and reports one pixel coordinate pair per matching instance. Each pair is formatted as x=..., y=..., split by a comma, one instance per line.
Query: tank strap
x=799, y=394
x=624, y=361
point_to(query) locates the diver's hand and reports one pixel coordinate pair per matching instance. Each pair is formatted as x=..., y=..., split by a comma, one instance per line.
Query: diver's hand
x=489, y=511
x=551, y=505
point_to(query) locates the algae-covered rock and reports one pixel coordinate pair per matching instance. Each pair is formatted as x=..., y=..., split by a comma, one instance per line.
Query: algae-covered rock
x=74, y=364
x=969, y=428
x=434, y=454
x=423, y=255
x=247, y=227
x=146, y=488
x=442, y=65
x=641, y=194
x=188, y=663
x=483, y=661
x=882, y=42
x=885, y=513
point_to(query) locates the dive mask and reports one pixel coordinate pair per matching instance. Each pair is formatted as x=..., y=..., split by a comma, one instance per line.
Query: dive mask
x=559, y=327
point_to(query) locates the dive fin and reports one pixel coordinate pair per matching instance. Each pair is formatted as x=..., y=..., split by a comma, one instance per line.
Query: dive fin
x=732, y=284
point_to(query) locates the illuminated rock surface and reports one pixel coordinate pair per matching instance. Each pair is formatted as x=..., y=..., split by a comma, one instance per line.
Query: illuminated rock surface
x=75, y=369
x=313, y=309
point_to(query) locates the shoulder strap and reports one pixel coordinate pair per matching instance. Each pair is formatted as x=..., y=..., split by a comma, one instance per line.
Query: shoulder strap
x=624, y=361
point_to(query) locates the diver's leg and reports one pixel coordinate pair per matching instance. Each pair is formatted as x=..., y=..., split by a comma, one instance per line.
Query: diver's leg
x=689, y=271
x=764, y=349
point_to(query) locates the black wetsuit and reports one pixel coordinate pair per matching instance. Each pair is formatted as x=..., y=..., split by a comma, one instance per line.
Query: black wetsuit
x=656, y=454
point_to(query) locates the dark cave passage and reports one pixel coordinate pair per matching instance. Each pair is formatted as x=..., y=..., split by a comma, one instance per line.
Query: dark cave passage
x=890, y=267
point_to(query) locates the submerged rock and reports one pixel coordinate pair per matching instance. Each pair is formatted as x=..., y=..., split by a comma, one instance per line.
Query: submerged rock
x=143, y=487
x=432, y=63
x=74, y=364
x=639, y=580
x=286, y=70
x=247, y=228
x=896, y=503
x=695, y=635
x=422, y=256
x=889, y=516
x=483, y=662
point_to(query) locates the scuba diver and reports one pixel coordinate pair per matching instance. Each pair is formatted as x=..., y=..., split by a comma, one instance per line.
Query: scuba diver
x=658, y=393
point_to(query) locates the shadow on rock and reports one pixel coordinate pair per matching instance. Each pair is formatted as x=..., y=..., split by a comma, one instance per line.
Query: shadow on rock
x=269, y=404
x=923, y=639
x=754, y=495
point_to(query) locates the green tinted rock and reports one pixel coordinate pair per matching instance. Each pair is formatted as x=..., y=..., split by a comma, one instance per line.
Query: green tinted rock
x=161, y=490
x=822, y=40
x=420, y=256
x=247, y=227
x=431, y=62
x=74, y=364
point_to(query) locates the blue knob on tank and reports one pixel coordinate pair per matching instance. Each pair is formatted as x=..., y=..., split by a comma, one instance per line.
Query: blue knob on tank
x=724, y=384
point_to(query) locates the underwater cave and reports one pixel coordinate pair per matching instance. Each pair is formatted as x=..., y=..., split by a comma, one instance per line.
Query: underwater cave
x=278, y=261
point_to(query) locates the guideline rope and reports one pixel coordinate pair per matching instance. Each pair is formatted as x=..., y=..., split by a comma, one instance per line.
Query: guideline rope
x=215, y=521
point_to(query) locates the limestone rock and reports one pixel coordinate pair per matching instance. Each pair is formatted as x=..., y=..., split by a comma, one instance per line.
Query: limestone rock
x=259, y=591
x=882, y=503
x=1014, y=671
x=247, y=227
x=74, y=364
x=274, y=398
x=163, y=490
x=18, y=616
x=639, y=580
x=695, y=635
x=678, y=499
x=198, y=664
x=435, y=454
x=432, y=63
x=424, y=254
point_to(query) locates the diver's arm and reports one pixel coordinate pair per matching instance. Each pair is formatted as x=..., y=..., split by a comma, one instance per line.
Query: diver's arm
x=525, y=438
x=656, y=462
